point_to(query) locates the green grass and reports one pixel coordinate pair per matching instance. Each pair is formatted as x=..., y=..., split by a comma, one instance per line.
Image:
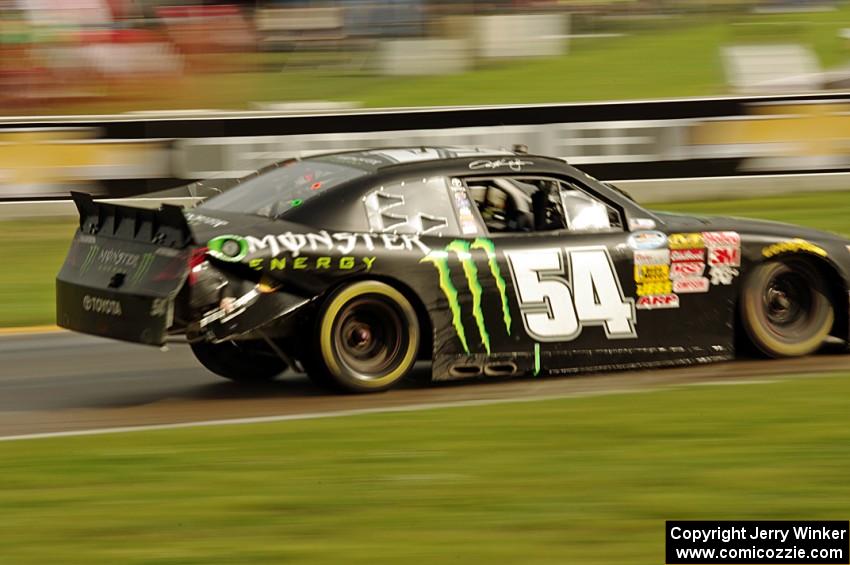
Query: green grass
x=821, y=210
x=35, y=249
x=679, y=57
x=33, y=252
x=564, y=481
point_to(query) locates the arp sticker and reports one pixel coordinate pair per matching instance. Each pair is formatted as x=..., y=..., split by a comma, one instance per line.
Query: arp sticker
x=687, y=255
x=652, y=273
x=647, y=240
x=654, y=288
x=724, y=256
x=690, y=285
x=684, y=269
x=657, y=302
x=721, y=238
x=652, y=257
x=685, y=241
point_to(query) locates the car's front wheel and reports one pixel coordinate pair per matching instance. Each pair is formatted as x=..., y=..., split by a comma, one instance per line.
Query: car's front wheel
x=250, y=361
x=785, y=308
x=368, y=338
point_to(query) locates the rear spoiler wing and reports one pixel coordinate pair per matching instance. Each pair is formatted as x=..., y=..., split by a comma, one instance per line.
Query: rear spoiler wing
x=165, y=227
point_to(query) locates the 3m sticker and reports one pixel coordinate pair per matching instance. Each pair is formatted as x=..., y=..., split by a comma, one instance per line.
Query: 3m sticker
x=685, y=241
x=652, y=257
x=652, y=273
x=687, y=255
x=685, y=269
x=690, y=285
x=724, y=256
x=658, y=302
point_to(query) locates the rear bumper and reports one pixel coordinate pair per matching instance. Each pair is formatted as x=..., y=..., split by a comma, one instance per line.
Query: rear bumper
x=130, y=317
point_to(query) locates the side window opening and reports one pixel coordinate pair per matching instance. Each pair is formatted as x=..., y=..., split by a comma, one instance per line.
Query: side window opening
x=526, y=204
x=585, y=213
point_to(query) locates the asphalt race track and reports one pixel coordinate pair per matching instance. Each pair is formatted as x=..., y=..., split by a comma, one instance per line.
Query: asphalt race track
x=60, y=381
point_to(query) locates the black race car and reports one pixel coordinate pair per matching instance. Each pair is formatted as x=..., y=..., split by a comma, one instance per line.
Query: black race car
x=354, y=265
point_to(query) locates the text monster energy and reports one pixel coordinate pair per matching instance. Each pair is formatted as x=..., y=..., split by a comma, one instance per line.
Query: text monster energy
x=111, y=260
x=463, y=251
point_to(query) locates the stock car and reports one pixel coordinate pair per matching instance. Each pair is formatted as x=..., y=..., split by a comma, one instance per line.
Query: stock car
x=352, y=266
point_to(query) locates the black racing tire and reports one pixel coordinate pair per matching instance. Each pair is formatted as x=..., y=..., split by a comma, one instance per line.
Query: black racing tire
x=367, y=338
x=250, y=361
x=785, y=308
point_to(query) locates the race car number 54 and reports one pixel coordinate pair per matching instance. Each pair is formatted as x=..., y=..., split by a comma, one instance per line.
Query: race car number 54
x=558, y=298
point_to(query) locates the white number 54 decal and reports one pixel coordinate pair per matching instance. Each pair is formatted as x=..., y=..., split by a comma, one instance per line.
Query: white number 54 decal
x=557, y=299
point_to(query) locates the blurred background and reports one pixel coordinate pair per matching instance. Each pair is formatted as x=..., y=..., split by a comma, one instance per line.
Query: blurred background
x=106, y=56
x=160, y=63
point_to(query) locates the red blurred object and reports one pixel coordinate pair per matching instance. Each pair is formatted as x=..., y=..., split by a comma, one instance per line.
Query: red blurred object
x=198, y=256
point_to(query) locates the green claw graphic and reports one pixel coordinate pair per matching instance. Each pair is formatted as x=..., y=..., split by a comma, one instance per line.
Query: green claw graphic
x=487, y=246
x=461, y=249
x=440, y=261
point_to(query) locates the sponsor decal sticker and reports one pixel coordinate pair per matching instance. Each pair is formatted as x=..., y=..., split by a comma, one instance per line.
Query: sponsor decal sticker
x=726, y=256
x=100, y=305
x=658, y=302
x=304, y=263
x=463, y=251
x=652, y=257
x=687, y=255
x=722, y=274
x=682, y=269
x=647, y=240
x=651, y=273
x=795, y=245
x=654, y=288
x=641, y=224
x=686, y=241
x=721, y=238
x=512, y=164
x=690, y=285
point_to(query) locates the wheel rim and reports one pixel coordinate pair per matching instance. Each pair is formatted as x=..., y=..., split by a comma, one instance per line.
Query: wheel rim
x=369, y=337
x=787, y=302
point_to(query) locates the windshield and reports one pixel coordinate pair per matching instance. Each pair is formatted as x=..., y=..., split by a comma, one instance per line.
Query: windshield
x=272, y=193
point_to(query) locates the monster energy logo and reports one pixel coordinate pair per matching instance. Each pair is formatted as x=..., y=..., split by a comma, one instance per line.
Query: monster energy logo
x=142, y=269
x=463, y=251
x=109, y=259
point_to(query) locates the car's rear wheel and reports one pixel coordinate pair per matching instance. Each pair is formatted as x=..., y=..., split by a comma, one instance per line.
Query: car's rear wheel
x=250, y=361
x=368, y=338
x=786, y=308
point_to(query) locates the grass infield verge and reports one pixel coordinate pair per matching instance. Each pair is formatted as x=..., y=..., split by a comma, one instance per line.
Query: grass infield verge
x=581, y=480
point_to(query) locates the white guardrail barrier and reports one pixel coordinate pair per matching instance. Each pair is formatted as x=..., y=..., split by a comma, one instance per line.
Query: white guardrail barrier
x=645, y=191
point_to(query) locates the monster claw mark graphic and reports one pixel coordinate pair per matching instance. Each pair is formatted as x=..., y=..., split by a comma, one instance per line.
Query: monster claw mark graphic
x=142, y=269
x=536, y=359
x=461, y=249
x=89, y=258
x=440, y=260
x=487, y=246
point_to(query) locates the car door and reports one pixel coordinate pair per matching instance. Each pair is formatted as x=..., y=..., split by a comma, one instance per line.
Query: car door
x=585, y=293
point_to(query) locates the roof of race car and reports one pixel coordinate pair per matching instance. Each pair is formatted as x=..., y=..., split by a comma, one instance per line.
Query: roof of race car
x=375, y=159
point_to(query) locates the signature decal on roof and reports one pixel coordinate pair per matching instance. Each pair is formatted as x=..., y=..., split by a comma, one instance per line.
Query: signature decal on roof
x=512, y=164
